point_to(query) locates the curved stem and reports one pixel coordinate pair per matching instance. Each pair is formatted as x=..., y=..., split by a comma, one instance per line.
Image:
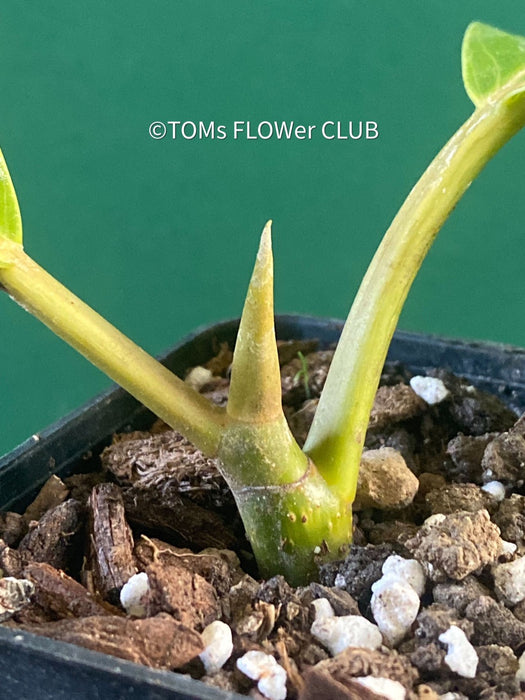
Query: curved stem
x=337, y=434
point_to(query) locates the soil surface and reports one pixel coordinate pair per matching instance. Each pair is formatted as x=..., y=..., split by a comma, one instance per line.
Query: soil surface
x=146, y=559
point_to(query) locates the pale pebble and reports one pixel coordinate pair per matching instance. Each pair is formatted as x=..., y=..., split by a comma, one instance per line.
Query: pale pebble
x=430, y=389
x=323, y=608
x=509, y=581
x=134, y=593
x=508, y=547
x=461, y=656
x=496, y=489
x=395, y=605
x=273, y=686
x=263, y=668
x=520, y=673
x=218, y=646
x=339, y=633
x=198, y=377
x=386, y=688
x=434, y=519
x=15, y=593
x=406, y=570
x=340, y=581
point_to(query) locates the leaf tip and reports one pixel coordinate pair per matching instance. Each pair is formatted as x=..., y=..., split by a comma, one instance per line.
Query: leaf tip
x=264, y=263
x=10, y=219
x=266, y=236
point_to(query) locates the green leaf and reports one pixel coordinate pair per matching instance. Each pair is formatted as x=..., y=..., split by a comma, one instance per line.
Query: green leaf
x=10, y=219
x=491, y=60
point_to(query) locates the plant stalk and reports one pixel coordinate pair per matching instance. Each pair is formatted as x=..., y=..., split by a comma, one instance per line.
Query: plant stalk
x=125, y=362
x=291, y=516
x=338, y=431
x=295, y=527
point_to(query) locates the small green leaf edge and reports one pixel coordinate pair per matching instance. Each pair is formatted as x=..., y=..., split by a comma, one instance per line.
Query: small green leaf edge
x=490, y=59
x=10, y=219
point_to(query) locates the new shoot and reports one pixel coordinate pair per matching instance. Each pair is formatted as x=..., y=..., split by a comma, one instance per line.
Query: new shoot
x=296, y=503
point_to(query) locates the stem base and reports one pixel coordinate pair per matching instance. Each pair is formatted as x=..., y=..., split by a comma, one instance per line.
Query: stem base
x=293, y=528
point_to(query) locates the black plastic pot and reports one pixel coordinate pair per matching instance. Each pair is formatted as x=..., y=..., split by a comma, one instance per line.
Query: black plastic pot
x=36, y=667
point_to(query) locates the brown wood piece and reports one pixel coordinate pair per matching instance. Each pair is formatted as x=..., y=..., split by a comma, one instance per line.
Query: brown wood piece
x=111, y=541
x=182, y=521
x=160, y=642
x=52, y=494
x=61, y=594
x=51, y=539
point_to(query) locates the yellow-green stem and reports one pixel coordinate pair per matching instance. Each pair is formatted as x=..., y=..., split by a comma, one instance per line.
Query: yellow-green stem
x=290, y=514
x=293, y=519
x=337, y=434
x=107, y=348
x=295, y=527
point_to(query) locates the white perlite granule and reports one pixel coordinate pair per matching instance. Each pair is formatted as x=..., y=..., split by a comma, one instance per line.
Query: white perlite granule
x=406, y=570
x=520, y=673
x=218, y=646
x=509, y=581
x=395, y=600
x=496, y=489
x=339, y=633
x=263, y=668
x=430, y=389
x=508, y=547
x=198, y=377
x=134, y=593
x=340, y=581
x=395, y=605
x=15, y=593
x=461, y=656
x=392, y=690
x=323, y=608
x=434, y=519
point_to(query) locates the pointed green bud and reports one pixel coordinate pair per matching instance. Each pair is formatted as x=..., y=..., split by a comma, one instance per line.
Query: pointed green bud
x=255, y=390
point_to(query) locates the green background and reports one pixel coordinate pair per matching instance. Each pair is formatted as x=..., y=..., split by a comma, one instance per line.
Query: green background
x=160, y=235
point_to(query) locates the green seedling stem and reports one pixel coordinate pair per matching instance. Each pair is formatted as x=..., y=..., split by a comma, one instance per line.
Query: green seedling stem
x=296, y=504
x=107, y=348
x=337, y=434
